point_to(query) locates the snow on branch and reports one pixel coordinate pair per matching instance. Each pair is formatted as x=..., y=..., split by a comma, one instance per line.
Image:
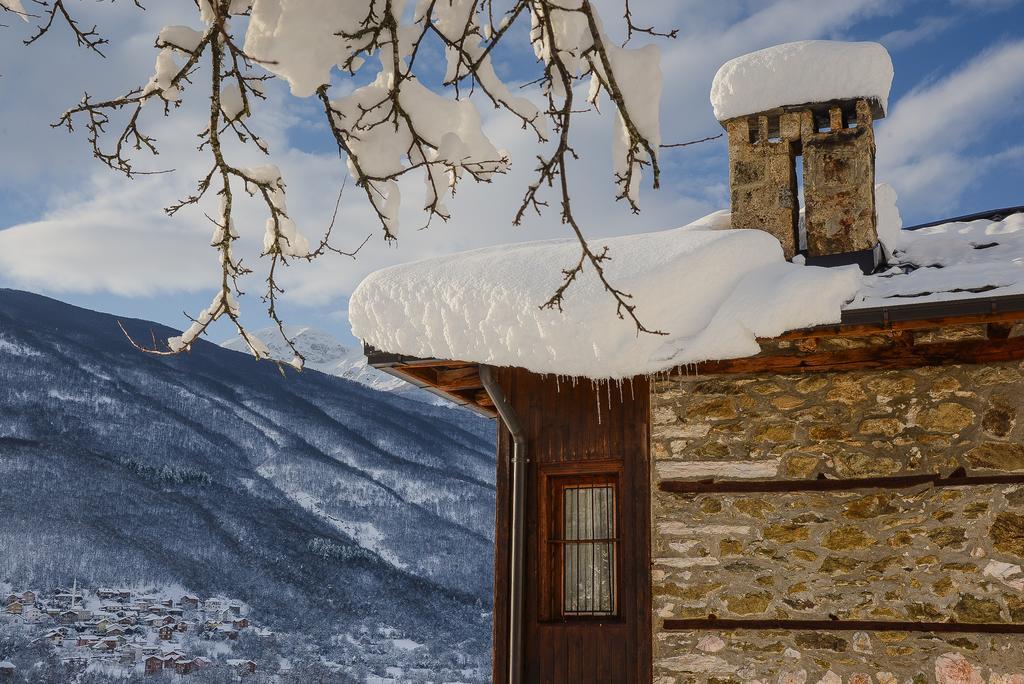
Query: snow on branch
x=386, y=127
x=14, y=7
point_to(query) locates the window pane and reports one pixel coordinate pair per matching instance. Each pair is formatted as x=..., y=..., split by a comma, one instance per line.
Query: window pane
x=588, y=551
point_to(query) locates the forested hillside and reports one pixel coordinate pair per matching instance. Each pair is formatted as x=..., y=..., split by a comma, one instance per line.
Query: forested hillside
x=327, y=506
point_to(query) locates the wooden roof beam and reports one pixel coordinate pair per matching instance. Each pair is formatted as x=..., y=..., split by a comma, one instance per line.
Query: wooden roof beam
x=867, y=329
x=458, y=378
x=476, y=397
x=443, y=378
x=896, y=355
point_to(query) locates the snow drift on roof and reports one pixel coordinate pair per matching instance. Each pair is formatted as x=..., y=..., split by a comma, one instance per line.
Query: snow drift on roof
x=798, y=73
x=713, y=291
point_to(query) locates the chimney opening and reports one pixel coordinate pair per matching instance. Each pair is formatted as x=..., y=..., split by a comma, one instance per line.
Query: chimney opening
x=822, y=121
x=753, y=133
x=801, y=206
x=850, y=117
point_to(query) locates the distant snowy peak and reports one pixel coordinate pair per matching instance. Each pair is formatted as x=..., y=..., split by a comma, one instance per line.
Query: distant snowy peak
x=319, y=347
x=324, y=353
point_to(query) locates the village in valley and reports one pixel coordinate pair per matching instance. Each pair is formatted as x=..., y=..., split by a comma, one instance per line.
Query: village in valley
x=121, y=629
x=160, y=634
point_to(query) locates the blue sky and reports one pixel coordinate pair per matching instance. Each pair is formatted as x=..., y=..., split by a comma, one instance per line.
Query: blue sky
x=69, y=228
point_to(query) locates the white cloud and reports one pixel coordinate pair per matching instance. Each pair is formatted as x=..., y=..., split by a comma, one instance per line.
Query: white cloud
x=925, y=145
x=925, y=29
x=713, y=34
x=110, y=251
x=100, y=232
x=113, y=235
x=107, y=233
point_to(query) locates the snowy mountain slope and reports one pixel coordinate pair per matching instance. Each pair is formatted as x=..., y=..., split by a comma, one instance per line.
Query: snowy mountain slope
x=319, y=501
x=326, y=354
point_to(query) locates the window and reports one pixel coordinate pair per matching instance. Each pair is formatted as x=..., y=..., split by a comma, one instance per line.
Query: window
x=584, y=546
x=588, y=550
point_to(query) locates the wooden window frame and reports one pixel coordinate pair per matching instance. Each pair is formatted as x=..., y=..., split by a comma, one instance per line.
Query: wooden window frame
x=554, y=480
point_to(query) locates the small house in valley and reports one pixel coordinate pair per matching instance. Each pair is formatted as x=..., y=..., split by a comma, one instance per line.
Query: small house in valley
x=814, y=472
x=242, y=667
x=153, y=665
x=184, y=667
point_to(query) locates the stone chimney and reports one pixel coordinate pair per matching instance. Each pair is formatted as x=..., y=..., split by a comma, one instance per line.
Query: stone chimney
x=834, y=137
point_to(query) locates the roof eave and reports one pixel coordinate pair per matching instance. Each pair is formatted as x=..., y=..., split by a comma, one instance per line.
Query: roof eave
x=402, y=367
x=854, y=322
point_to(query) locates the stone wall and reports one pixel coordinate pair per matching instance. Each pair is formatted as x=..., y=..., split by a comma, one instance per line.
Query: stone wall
x=920, y=554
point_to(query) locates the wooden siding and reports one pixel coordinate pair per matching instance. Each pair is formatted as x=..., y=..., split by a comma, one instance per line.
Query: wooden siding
x=566, y=430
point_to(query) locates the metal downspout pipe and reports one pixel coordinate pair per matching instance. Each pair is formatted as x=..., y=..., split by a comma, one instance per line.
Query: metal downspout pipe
x=515, y=612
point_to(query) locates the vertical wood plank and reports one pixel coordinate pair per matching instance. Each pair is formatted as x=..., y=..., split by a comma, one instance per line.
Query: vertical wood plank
x=562, y=425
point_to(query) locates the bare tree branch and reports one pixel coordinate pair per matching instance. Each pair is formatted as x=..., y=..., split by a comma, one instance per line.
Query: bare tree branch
x=390, y=109
x=554, y=169
x=693, y=142
x=87, y=38
x=632, y=28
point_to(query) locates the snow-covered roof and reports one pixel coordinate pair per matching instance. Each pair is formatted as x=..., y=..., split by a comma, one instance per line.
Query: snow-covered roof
x=713, y=291
x=951, y=261
x=800, y=73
